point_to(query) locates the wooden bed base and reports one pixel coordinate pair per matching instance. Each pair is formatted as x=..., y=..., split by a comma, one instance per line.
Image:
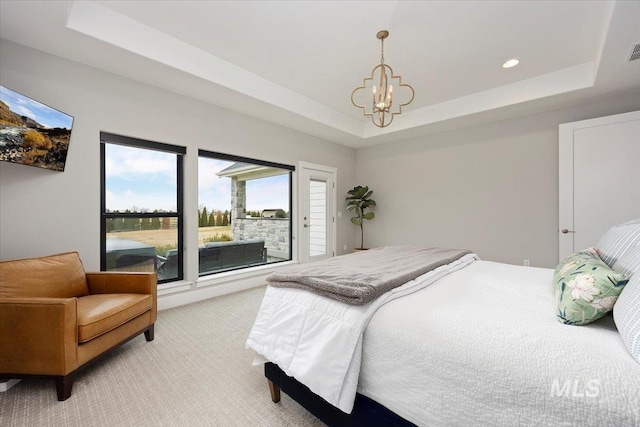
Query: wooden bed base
x=366, y=412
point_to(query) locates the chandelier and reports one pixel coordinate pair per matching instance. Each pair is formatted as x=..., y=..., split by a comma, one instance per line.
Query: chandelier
x=382, y=95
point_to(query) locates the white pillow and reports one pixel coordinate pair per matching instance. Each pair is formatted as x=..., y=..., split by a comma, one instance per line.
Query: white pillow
x=633, y=221
x=626, y=314
x=629, y=263
x=618, y=240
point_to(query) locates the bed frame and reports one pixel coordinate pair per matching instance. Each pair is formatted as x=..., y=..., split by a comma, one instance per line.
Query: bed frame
x=366, y=412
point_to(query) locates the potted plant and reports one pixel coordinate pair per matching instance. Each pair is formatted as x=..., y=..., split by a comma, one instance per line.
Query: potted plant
x=358, y=201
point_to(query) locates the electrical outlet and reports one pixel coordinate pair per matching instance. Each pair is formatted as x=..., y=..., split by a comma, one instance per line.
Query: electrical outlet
x=527, y=263
x=345, y=247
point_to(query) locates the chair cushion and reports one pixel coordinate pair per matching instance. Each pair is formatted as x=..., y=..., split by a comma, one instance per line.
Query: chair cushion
x=98, y=314
x=55, y=276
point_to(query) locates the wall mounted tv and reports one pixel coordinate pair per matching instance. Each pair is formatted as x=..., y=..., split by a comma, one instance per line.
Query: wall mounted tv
x=32, y=133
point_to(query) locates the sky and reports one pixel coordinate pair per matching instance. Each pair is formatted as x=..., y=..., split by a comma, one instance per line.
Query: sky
x=136, y=177
x=146, y=180
x=215, y=192
x=41, y=113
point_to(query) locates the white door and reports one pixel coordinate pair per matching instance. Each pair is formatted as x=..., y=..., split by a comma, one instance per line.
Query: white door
x=316, y=224
x=599, y=178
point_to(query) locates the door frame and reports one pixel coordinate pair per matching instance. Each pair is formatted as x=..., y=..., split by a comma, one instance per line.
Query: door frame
x=302, y=165
x=566, y=174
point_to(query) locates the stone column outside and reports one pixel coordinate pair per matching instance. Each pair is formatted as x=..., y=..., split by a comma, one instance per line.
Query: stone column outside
x=238, y=206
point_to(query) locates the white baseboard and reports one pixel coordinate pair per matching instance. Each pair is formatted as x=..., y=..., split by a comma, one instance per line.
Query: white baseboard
x=5, y=385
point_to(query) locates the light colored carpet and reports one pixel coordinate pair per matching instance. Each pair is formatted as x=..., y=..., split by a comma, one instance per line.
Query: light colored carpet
x=196, y=372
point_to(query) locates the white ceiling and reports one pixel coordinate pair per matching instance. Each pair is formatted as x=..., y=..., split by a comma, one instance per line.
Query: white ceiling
x=296, y=63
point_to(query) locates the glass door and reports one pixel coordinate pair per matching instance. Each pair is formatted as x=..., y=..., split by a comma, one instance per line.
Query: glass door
x=316, y=214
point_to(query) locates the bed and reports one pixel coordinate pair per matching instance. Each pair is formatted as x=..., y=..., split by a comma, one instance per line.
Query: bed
x=479, y=345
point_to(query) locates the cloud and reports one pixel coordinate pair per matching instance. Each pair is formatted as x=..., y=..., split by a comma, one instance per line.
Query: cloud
x=213, y=192
x=110, y=198
x=142, y=178
x=23, y=111
x=268, y=193
x=139, y=201
x=137, y=164
x=43, y=114
x=207, y=169
x=147, y=179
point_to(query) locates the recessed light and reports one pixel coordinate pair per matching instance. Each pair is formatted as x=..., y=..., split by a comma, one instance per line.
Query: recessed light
x=510, y=63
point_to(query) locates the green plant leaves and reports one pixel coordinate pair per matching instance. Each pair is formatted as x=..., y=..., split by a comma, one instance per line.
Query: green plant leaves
x=358, y=192
x=357, y=201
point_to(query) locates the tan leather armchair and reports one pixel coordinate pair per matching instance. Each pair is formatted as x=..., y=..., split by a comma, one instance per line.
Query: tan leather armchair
x=55, y=319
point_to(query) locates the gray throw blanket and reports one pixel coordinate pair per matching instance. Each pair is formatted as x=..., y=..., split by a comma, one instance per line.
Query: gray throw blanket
x=361, y=277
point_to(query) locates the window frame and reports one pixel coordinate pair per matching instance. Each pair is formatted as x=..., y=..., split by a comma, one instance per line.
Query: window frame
x=180, y=152
x=233, y=158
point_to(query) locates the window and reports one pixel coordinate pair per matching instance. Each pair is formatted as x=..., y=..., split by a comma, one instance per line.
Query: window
x=244, y=212
x=141, y=206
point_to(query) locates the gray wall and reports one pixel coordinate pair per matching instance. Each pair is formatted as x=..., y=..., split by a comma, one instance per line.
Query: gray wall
x=44, y=212
x=491, y=188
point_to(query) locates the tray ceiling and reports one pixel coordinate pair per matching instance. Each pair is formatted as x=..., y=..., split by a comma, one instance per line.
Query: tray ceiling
x=295, y=63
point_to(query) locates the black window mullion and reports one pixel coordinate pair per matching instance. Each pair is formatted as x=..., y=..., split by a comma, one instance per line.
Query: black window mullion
x=140, y=143
x=140, y=214
x=103, y=208
x=108, y=138
x=180, y=203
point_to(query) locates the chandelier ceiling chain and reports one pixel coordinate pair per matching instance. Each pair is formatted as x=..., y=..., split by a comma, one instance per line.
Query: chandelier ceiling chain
x=382, y=97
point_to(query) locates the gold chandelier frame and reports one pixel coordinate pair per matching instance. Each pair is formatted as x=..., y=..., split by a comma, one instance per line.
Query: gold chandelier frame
x=382, y=101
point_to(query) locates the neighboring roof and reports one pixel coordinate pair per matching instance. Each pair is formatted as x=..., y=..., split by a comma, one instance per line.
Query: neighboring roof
x=234, y=167
x=248, y=171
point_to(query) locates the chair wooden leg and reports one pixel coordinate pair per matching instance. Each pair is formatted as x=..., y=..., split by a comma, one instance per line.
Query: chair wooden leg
x=64, y=384
x=275, y=392
x=148, y=334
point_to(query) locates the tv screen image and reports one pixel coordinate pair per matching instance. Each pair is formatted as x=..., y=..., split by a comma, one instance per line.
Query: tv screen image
x=32, y=133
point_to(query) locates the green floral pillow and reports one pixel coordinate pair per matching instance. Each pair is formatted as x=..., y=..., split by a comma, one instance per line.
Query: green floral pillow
x=586, y=288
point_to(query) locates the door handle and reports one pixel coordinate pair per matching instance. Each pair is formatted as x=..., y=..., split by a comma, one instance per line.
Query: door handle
x=565, y=231
x=307, y=226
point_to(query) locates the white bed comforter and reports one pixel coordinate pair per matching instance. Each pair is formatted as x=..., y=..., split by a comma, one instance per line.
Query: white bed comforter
x=482, y=347
x=318, y=340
